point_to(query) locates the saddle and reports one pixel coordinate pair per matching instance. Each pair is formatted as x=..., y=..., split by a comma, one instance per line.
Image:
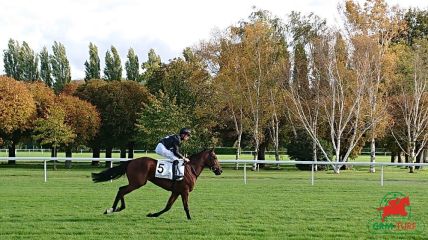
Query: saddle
x=165, y=169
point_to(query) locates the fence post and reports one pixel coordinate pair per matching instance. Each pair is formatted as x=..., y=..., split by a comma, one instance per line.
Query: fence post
x=245, y=173
x=312, y=174
x=46, y=171
x=381, y=175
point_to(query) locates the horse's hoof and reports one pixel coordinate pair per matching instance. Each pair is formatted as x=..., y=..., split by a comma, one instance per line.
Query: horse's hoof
x=109, y=211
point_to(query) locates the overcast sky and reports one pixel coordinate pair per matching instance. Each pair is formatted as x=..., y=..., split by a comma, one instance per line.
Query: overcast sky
x=166, y=26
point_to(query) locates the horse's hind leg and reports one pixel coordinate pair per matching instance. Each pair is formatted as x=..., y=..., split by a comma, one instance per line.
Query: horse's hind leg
x=120, y=196
x=171, y=201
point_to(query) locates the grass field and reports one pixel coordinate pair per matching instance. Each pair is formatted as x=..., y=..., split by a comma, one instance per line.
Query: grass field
x=275, y=204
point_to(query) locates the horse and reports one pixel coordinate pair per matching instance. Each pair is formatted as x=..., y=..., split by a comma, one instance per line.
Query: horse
x=141, y=170
x=395, y=207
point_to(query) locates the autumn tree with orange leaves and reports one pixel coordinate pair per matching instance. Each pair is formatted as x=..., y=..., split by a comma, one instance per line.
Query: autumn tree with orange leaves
x=17, y=108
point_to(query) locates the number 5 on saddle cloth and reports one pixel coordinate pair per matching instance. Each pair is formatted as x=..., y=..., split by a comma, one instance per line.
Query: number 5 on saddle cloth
x=164, y=169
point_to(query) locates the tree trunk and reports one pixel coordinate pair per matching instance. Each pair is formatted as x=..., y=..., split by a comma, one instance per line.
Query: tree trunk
x=425, y=158
x=96, y=152
x=314, y=154
x=122, y=152
x=393, y=155
x=54, y=153
x=412, y=156
x=336, y=168
x=109, y=151
x=399, y=159
x=131, y=150
x=68, y=154
x=277, y=158
x=419, y=158
x=261, y=154
x=238, y=150
x=372, y=155
x=12, y=153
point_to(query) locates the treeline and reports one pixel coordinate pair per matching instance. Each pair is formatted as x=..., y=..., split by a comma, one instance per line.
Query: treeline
x=319, y=91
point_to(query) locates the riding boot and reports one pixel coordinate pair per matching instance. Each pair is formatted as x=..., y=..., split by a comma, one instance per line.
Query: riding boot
x=174, y=170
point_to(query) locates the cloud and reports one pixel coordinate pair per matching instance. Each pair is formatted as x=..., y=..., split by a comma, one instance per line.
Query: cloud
x=166, y=26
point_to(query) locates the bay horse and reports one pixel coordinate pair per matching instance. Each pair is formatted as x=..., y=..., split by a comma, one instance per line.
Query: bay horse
x=141, y=170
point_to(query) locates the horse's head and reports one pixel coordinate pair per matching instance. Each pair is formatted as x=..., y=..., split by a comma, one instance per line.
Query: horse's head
x=211, y=162
x=405, y=201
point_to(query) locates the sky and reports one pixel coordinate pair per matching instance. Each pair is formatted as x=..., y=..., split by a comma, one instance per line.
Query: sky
x=167, y=26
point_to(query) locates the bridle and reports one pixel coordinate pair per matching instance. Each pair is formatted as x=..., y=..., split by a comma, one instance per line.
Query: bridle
x=212, y=168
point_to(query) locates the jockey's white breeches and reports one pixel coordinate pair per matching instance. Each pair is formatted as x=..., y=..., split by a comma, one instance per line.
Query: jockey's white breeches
x=164, y=152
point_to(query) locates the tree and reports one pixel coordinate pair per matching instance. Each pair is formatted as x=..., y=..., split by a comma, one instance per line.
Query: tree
x=93, y=92
x=43, y=96
x=371, y=28
x=262, y=63
x=71, y=88
x=173, y=80
x=410, y=106
x=17, y=109
x=92, y=68
x=152, y=65
x=83, y=119
x=45, y=68
x=11, y=60
x=185, y=81
x=416, y=21
x=28, y=63
x=118, y=103
x=300, y=76
x=60, y=67
x=53, y=130
x=160, y=117
x=113, y=68
x=222, y=58
x=20, y=62
x=342, y=99
x=132, y=66
x=309, y=77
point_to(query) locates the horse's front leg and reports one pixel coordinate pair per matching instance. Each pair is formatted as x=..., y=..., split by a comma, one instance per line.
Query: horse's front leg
x=170, y=202
x=185, y=199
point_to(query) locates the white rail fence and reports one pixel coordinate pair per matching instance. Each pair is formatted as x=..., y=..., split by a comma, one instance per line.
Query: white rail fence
x=246, y=164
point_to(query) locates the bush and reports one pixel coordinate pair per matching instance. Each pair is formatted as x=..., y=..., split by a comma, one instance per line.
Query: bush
x=225, y=150
x=300, y=149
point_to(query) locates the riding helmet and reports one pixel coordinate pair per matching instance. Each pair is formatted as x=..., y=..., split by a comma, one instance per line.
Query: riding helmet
x=185, y=131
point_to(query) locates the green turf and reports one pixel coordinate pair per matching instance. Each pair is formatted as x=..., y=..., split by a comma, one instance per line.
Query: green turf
x=275, y=204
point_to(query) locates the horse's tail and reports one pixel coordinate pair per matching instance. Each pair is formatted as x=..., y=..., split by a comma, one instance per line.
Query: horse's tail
x=110, y=173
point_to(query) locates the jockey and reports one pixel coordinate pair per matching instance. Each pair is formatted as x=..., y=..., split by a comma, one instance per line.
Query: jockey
x=169, y=147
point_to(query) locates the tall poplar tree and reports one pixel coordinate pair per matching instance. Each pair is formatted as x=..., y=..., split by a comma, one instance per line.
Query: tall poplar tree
x=60, y=66
x=132, y=66
x=92, y=68
x=28, y=63
x=11, y=59
x=113, y=68
x=149, y=67
x=45, y=68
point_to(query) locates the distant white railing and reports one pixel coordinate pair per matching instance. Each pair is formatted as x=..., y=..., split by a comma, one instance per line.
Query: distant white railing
x=245, y=162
